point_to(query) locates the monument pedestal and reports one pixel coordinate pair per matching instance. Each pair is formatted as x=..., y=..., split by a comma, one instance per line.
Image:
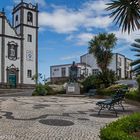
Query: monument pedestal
x=73, y=88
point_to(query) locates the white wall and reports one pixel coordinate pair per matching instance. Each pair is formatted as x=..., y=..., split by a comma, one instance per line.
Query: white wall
x=90, y=60
x=0, y=25
x=14, y=16
x=122, y=65
x=56, y=70
x=8, y=62
x=0, y=59
x=0, y=44
x=113, y=64
x=9, y=30
x=29, y=46
x=25, y=17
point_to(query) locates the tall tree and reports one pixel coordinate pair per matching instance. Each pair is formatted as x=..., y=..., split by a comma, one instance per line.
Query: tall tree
x=126, y=13
x=101, y=47
x=136, y=63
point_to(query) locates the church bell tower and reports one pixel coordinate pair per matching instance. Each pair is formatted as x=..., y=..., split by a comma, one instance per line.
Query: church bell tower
x=25, y=21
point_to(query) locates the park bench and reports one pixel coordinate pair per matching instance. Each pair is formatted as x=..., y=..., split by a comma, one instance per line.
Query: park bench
x=91, y=92
x=110, y=103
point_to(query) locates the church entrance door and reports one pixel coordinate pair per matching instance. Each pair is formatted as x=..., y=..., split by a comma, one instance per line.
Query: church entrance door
x=12, y=80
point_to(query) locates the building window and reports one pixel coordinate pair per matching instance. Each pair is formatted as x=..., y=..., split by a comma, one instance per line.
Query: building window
x=63, y=72
x=29, y=38
x=127, y=65
x=16, y=17
x=29, y=17
x=120, y=62
x=29, y=73
x=95, y=71
x=56, y=69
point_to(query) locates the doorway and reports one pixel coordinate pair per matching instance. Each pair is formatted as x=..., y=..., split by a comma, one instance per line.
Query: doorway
x=12, y=80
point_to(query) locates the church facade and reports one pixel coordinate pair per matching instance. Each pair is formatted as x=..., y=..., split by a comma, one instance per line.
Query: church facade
x=19, y=47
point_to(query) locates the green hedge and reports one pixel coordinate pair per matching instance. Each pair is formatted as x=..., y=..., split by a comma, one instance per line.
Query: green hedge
x=43, y=90
x=133, y=94
x=111, y=90
x=122, y=129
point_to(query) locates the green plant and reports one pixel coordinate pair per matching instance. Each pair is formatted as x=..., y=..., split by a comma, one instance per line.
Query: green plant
x=101, y=47
x=138, y=81
x=107, y=77
x=126, y=13
x=90, y=82
x=40, y=90
x=136, y=63
x=111, y=89
x=122, y=129
x=133, y=94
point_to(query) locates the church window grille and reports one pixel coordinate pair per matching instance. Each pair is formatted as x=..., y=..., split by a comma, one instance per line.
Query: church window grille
x=63, y=72
x=16, y=17
x=29, y=73
x=29, y=17
x=29, y=38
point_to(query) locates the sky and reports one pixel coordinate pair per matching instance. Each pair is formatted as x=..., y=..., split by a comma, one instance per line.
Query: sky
x=66, y=27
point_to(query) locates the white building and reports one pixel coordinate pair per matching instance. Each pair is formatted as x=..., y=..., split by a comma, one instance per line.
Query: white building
x=60, y=73
x=19, y=46
x=120, y=64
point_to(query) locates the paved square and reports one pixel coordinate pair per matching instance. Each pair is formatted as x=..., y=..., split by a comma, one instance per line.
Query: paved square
x=53, y=118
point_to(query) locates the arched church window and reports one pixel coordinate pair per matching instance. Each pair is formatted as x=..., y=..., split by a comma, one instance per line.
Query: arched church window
x=29, y=17
x=16, y=17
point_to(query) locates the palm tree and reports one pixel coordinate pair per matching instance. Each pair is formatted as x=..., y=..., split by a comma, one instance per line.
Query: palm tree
x=136, y=63
x=126, y=13
x=101, y=47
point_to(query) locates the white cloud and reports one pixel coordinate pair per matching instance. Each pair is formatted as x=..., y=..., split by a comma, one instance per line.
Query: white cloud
x=125, y=36
x=71, y=57
x=40, y=2
x=64, y=20
x=84, y=38
x=81, y=39
x=97, y=6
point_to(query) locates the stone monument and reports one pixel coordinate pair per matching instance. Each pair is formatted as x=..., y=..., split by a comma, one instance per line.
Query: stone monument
x=73, y=86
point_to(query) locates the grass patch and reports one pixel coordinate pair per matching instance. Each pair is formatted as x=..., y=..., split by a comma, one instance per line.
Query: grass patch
x=122, y=129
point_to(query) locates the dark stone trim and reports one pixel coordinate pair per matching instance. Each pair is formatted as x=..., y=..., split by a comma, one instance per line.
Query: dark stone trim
x=22, y=45
x=36, y=43
x=19, y=86
x=8, y=36
x=16, y=71
x=26, y=26
x=116, y=64
x=3, y=52
x=26, y=86
x=20, y=5
x=125, y=68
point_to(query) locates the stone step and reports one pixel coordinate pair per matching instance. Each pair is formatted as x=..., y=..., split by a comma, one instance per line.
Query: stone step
x=5, y=91
x=71, y=95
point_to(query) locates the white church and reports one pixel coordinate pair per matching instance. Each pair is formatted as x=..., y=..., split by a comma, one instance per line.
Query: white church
x=19, y=47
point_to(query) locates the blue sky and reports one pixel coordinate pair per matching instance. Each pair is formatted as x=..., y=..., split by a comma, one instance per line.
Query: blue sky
x=66, y=26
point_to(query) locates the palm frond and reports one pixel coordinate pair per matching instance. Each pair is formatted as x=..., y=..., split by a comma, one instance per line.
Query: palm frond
x=126, y=13
x=136, y=62
x=135, y=50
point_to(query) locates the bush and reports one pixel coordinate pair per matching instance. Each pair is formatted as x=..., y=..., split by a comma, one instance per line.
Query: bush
x=90, y=83
x=107, y=77
x=48, y=89
x=122, y=129
x=111, y=90
x=40, y=90
x=43, y=90
x=138, y=81
x=133, y=94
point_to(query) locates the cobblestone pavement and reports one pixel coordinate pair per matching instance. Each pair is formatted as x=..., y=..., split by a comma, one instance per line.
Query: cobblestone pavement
x=53, y=118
